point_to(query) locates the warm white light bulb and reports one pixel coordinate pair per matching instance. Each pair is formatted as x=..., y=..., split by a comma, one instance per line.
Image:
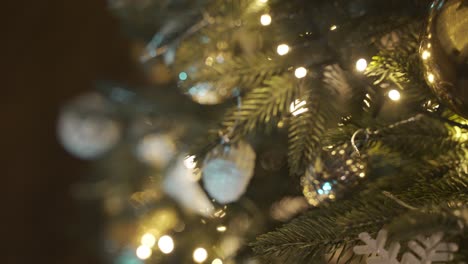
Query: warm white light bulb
x=265, y=20
x=148, y=240
x=394, y=95
x=217, y=261
x=263, y=1
x=430, y=77
x=221, y=228
x=143, y=252
x=297, y=107
x=425, y=55
x=189, y=162
x=300, y=72
x=334, y=27
x=200, y=255
x=166, y=244
x=282, y=49
x=361, y=65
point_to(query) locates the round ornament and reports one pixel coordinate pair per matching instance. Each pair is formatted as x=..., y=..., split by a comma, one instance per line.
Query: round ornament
x=338, y=169
x=181, y=184
x=444, y=53
x=86, y=127
x=227, y=171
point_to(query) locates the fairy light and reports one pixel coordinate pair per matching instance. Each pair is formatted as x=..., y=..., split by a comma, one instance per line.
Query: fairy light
x=143, y=252
x=297, y=107
x=430, y=77
x=189, y=162
x=200, y=255
x=148, y=240
x=217, y=261
x=425, y=55
x=282, y=49
x=166, y=244
x=333, y=27
x=394, y=95
x=265, y=20
x=221, y=228
x=361, y=65
x=300, y=72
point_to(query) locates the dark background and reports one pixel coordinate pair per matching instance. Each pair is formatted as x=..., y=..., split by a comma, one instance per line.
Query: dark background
x=50, y=52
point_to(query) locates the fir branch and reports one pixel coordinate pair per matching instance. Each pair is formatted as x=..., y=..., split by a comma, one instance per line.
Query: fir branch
x=260, y=106
x=306, y=129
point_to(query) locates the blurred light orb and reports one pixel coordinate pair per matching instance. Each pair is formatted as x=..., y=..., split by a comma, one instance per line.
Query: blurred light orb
x=361, y=65
x=148, y=240
x=394, y=95
x=200, y=255
x=144, y=252
x=86, y=128
x=265, y=20
x=217, y=261
x=166, y=244
x=300, y=72
x=282, y=49
x=189, y=162
x=156, y=149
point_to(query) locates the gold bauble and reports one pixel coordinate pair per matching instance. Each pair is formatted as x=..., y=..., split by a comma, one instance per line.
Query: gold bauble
x=444, y=53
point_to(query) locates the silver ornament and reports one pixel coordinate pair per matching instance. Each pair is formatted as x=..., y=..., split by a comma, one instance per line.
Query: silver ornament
x=227, y=171
x=86, y=127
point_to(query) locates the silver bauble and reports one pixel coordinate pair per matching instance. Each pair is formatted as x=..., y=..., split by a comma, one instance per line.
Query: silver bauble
x=86, y=127
x=227, y=171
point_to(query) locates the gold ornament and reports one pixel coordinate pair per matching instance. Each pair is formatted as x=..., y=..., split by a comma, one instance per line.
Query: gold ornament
x=336, y=170
x=444, y=53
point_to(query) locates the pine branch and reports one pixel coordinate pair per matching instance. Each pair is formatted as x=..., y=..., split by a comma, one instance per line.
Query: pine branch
x=306, y=129
x=260, y=106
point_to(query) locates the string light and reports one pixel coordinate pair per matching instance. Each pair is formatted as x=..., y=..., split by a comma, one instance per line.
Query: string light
x=166, y=244
x=221, y=228
x=282, y=49
x=430, y=77
x=394, y=95
x=200, y=255
x=361, y=65
x=217, y=261
x=425, y=55
x=300, y=72
x=148, y=240
x=143, y=252
x=265, y=20
x=189, y=162
x=297, y=107
x=334, y=27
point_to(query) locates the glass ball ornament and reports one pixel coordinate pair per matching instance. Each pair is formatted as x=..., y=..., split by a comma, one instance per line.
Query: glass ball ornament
x=227, y=171
x=444, y=53
x=87, y=128
x=181, y=184
x=334, y=172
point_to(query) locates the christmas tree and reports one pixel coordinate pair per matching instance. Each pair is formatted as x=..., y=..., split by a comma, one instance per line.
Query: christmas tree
x=273, y=131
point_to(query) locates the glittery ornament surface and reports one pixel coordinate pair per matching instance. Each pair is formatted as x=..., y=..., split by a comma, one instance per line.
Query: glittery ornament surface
x=338, y=169
x=444, y=54
x=86, y=128
x=227, y=171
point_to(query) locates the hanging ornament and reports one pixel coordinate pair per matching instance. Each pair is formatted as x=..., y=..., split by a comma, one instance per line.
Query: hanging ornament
x=444, y=53
x=227, y=171
x=426, y=250
x=181, y=183
x=86, y=127
x=338, y=169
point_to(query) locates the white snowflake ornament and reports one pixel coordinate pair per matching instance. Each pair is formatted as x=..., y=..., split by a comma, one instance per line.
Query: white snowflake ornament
x=424, y=250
